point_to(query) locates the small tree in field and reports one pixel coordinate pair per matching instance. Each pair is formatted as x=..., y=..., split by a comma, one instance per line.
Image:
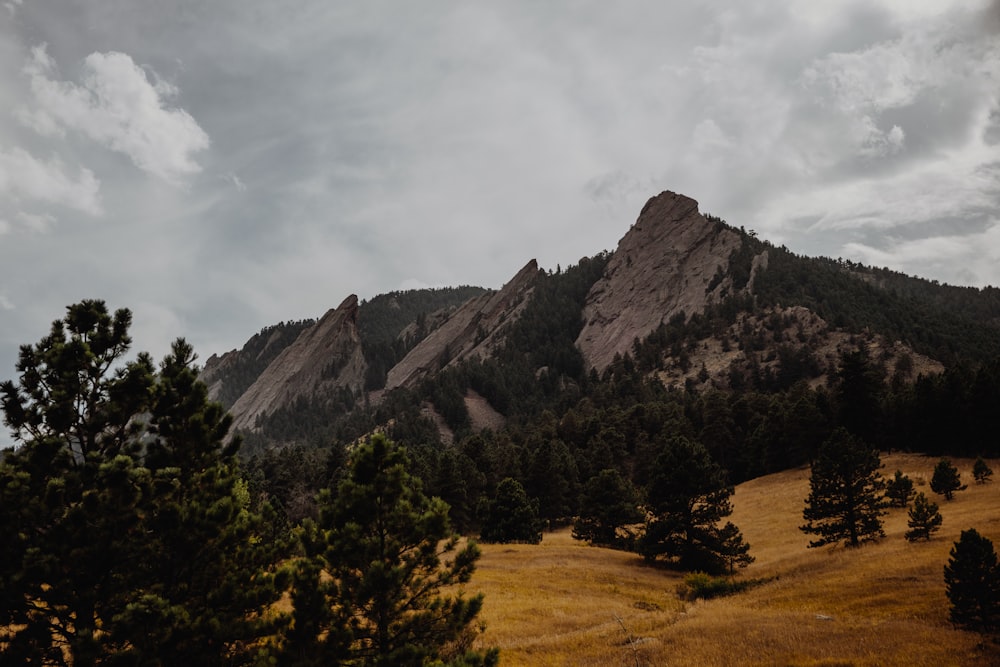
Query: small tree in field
x=946, y=479
x=972, y=580
x=899, y=490
x=845, y=498
x=924, y=519
x=981, y=471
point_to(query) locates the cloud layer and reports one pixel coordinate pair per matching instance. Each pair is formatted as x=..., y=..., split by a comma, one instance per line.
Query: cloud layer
x=222, y=166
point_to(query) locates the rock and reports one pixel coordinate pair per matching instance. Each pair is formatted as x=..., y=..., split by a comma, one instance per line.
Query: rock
x=325, y=356
x=665, y=264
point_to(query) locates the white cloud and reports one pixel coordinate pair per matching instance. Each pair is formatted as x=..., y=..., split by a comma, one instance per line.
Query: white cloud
x=118, y=107
x=5, y=303
x=24, y=177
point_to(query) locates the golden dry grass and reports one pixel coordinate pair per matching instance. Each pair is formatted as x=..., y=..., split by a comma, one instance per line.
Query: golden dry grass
x=564, y=603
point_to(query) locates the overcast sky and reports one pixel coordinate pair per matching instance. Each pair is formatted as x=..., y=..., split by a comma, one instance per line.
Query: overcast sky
x=221, y=165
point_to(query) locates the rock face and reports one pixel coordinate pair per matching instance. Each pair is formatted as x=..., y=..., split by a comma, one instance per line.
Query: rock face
x=471, y=331
x=665, y=264
x=325, y=356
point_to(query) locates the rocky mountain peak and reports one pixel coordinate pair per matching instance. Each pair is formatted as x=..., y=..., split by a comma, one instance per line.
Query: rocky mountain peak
x=668, y=262
x=325, y=356
x=472, y=330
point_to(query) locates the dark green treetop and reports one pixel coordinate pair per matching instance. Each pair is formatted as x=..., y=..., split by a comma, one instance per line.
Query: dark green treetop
x=845, y=497
x=128, y=532
x=972, y=581
x=923, y=519
x=374, y=586
x=899, y=490
x=511, y=516
x=688, y=495
x=981, y=471
x=946, y=479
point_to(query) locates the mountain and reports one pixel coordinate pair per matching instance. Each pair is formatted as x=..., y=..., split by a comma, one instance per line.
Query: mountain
x=685, y=300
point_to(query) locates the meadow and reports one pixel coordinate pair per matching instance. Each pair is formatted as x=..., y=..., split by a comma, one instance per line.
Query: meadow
x=563, y=602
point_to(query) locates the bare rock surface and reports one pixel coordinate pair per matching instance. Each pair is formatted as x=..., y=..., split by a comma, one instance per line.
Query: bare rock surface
x=325, y=356
x=663, y=265
x=473, y=330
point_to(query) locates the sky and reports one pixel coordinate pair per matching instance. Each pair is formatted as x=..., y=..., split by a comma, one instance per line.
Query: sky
x=220, y=166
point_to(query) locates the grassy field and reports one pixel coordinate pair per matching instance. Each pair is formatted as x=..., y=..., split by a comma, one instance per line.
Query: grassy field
x=564, y=603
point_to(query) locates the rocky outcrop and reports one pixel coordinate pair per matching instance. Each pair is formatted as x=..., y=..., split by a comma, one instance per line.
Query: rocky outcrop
x=473, y=330
x=325, y=356
x=671, y=260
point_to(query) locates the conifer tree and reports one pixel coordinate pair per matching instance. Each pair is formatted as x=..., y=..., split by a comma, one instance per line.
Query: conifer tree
x=845, y=497
x=981, y=471
x=688, y=495
x=511, y=516
x=923, y=519
x=128, y=534
x=946, y=479
x=609, y=503
x=899, y=490
x=375, y=586
x=972, y=582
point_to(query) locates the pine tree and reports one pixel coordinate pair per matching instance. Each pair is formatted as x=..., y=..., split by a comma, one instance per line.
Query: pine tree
x=924, y=519
x=946, y=479
x=845, y=498
x=981, y=471
x=511, y=516
x=128, y=533
x=972, y=581
x=375, y=587
x=609, y=503
x=688, y=495
x=899, y=490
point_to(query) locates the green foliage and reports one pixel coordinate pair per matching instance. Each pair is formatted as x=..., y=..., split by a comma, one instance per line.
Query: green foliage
x=687, y=496
x=845, y=492
x=128, y=532
x=899, y=490
x=375, y=585
x=946, y=479
x=703, y=586
x=511, y=516
x=609, y=504
x=981, y=471
x=972, y=582
x=943, y=322
x=383, y=319
x=924, y=519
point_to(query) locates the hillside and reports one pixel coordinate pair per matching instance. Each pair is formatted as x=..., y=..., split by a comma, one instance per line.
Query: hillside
x=559, y=603
x=685, y=299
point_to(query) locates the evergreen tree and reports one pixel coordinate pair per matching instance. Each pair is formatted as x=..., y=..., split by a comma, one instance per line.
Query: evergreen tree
x=688, y=495
x=373, y=588
x=128, y=532
x=981, y=471
x=609, y=503
x=924, y=519
x=734, y=550
x=845, y=497
x=946, y=479
x=972, y=581
x=899, y=490
x=511, y=516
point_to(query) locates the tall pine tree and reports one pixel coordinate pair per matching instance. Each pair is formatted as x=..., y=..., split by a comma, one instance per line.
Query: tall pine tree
x=845, y=498
x=376, y=585
x=127, y=532
x=687, y=497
